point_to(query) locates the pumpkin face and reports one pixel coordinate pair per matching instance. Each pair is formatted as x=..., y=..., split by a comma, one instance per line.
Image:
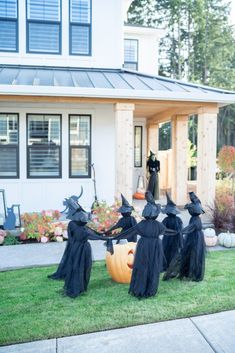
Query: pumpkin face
x=227, y=239
x=120, y=264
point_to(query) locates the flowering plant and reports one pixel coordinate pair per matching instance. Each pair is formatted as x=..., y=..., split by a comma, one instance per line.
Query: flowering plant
x=42, y=225
x=104, y=216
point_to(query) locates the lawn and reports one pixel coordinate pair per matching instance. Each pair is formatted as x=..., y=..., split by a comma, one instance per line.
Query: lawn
x=32, y=306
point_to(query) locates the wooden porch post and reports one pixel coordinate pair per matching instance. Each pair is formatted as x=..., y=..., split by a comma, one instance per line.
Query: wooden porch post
x=206, y=154
x=153, y=138
x=179, y=159
x=124, y=149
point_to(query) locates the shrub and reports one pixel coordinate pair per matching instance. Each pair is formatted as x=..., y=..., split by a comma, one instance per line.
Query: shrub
x=11, y=240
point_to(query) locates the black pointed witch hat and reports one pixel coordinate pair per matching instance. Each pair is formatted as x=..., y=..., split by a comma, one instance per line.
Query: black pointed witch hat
x=126, y=207
x=170, y=207
x=151, y=209
x=195, y=206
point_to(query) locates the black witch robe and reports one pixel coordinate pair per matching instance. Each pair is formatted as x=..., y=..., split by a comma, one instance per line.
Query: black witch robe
x=194, y=250
x=172, y=245
x=148, y=262
x=126, y=222
x=75, y=265
x=153, y=185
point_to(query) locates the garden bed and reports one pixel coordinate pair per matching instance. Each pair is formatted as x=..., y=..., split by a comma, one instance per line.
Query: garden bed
x=32, y=306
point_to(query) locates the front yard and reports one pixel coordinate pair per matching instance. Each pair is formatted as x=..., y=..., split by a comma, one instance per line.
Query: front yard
x=32, y=306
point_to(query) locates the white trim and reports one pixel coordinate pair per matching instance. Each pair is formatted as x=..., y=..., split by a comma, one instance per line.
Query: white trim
x=210, y=97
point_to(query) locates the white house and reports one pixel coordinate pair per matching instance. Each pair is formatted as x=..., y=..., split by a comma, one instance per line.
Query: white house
x=70, y=96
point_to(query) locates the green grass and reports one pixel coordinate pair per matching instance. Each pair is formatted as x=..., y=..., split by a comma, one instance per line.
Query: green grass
x=32, y=307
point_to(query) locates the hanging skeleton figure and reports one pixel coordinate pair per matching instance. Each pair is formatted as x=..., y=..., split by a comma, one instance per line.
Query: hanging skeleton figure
x=76, y=263
x=127, y=221
x=172, y=246
x=193, y=253
x=148, y=262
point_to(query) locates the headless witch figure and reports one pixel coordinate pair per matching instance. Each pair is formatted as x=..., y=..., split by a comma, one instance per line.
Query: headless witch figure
x=127, y=221
x=76, y=265
x=193, y=253
x=172, y=245
x=153, y=166
x=148, y=262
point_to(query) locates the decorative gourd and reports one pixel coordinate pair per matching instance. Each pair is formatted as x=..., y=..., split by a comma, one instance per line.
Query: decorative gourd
x=210, y=237
x=120, y=264
x=227, y=239
x=139, y=196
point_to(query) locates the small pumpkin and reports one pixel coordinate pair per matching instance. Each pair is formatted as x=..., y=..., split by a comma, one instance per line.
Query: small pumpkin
x=120, y=264
x=227, y=239
x=210, y=237
x=139, y=196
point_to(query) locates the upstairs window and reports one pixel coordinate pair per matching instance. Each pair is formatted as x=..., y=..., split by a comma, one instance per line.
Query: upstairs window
x=80, y=27
x=79, y=146
x=44, y=146
x=131, y=54
x=9, y=146
x=9, y=25
x=44, y=26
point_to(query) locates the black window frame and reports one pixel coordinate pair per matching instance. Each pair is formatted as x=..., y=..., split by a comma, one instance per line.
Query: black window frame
x=141, y=146
x=11, y=146
x=28, y=21
x=80, y=24
x=88, y=147
x=16, y=20
x=137, y=54
x=43, y=146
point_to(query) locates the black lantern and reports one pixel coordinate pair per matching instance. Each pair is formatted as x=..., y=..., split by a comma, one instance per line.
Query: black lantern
x=17, y=214
x=3, y=209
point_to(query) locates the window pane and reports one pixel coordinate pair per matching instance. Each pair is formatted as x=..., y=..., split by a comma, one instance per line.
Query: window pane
x=80, y=39
x=44, y=10
x=8, y=8
x=8, y=161
x=80, y=130
x=8, y=129
x=8, y=35
x=44, y=161
x=43, y=129
x=138, y=146
x=44, y=37
x=79, y=161
x=130, y=50
x=80, y=11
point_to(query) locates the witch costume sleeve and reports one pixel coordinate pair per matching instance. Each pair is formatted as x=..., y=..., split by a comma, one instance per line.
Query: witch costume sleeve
x=194, y=250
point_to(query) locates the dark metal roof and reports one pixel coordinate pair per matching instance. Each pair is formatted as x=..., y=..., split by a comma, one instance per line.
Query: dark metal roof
x=122, y=81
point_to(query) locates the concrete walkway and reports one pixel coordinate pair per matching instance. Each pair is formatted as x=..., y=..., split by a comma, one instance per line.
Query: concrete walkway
x=202, y=334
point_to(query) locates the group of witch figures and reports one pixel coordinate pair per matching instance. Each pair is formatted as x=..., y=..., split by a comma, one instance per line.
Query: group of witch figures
x=178, y=256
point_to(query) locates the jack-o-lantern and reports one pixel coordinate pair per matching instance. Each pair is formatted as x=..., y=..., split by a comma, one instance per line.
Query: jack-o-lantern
x=120, y=264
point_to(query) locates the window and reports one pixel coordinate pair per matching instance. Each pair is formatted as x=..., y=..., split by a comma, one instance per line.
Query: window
x=44, y=146
x=79, y=146
x=9, y=25
x=131, y=54
x=80, y=27
x=43, y=26
x=138, y=136
x=9, y=146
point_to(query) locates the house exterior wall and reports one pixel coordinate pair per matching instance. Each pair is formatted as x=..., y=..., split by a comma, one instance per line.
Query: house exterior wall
x=106, y=42
x=38, y=194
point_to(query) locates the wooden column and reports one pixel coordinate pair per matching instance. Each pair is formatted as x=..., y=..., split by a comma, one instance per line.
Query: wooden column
x=206, y=154
x=153, y=138
x=179, y=159
x=124, y=149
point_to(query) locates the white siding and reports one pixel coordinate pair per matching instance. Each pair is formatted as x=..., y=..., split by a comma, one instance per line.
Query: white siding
x=39, y=194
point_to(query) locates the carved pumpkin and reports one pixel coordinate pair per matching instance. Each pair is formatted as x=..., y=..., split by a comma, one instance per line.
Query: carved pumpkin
x=210, y=237
x=120, y=264
x=227, y=239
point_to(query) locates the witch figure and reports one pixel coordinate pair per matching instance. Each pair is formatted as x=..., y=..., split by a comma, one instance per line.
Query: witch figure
x=127, y=221
x=148, y=262
x=153, y=166
x=193, y=253
x=62, y=268
x=172, y=245
x=79, y=260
